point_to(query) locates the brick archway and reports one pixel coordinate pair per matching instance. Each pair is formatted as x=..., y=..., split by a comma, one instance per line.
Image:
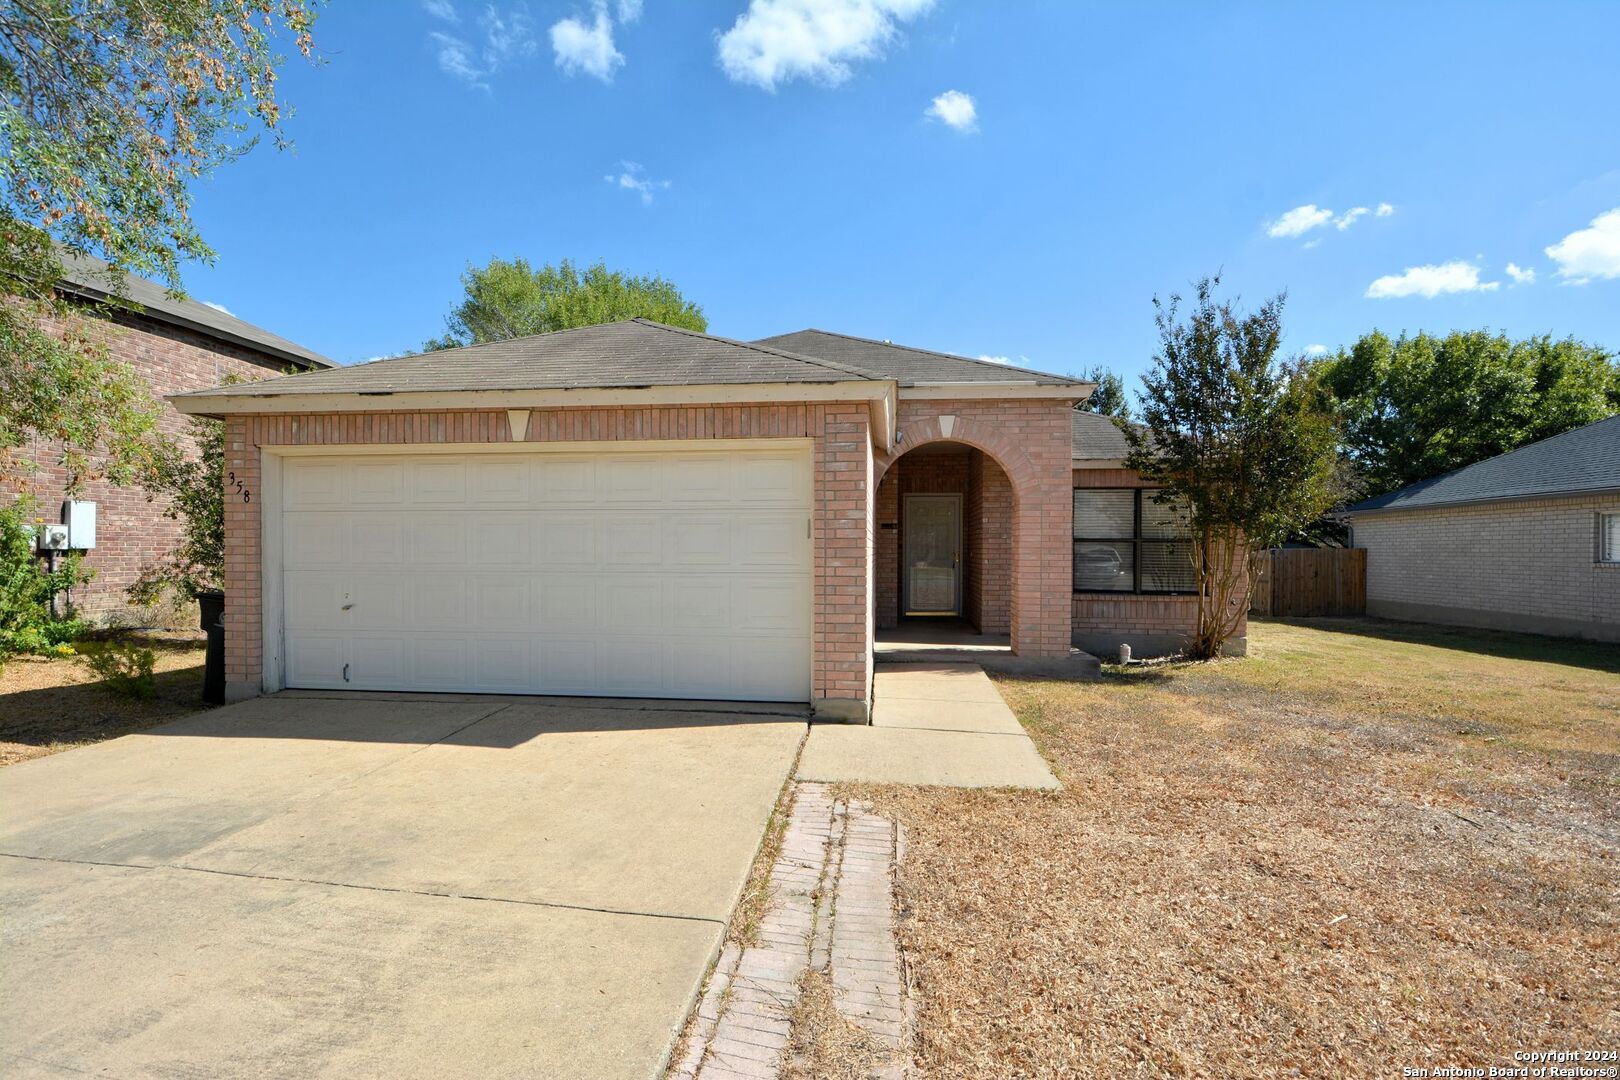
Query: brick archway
x=1041, y=507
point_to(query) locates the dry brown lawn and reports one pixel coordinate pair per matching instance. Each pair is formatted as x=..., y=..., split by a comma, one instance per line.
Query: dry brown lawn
x=1365, y=847
x=50, y=705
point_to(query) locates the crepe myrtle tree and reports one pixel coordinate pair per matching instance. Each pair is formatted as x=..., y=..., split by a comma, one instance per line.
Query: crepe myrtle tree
x=1237, y=438
x=110, y=112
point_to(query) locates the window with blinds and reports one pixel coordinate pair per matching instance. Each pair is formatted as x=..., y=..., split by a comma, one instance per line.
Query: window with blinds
x=1609, y=538
x=1126, y=542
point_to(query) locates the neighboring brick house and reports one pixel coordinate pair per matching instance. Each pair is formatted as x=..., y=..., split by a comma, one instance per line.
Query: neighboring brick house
x=173, y=345
x=1527, y=541
x=636, y=510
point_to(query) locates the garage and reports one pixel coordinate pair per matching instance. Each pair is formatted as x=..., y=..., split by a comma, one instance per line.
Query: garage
x=630, y=569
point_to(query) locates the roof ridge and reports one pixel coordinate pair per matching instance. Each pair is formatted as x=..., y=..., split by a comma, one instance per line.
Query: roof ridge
x=935, y=352
x=766, y=349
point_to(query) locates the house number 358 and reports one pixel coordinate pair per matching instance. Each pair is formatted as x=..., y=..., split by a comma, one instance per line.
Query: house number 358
x=241, y=488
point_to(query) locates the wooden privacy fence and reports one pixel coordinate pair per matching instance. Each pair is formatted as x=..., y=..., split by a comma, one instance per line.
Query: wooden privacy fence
x=1295, y=582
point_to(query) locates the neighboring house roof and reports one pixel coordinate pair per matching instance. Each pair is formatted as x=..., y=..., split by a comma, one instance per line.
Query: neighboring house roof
x=632, y=354
x=1098, y=438
x=908, y=366
x=91, y=278
x=1586, y=459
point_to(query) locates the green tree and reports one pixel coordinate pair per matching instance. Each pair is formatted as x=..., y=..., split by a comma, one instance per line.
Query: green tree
x=109, y=111
x=508, y=299
x=1419, y=406
x=195, y=490
x=1109, y=398
x=1235, y=437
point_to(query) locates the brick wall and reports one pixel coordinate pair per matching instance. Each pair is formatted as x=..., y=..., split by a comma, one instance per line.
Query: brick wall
x=1031, y=441
x=1527, y=565
x=131, y=532
x=989, y=568
x=842, y=522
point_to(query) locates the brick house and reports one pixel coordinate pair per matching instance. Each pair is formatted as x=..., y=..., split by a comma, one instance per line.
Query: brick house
x=638, y=510
x=174, y=345
x=1528, y=540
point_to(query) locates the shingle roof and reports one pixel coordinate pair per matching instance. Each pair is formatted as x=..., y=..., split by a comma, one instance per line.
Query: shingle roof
x=905, y=365
x=621, y=355
x=1097, y=438
x=1582, y=460
x=90, y=277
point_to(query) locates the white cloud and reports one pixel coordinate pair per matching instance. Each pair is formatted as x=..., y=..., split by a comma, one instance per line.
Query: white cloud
x=1431, y=281
x=587, y=50
x=1590, y=253
x=1316, y=350
x=631, y=177
x=995, y=359
x=956, y=109
x=441, y=9
x=1520, y=276
x=1299, y=221
x=502, y=39
x=1384, y=210
x=1348, y=218
x=219, y=307
x=776, y=41
x=628, y=11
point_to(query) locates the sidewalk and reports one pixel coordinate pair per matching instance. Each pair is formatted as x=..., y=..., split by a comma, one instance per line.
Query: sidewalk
x=933, y=724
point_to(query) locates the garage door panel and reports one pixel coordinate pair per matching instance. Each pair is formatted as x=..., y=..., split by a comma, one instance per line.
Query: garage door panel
x=378, y=538
x=773, y=540
x=564, y=540
x=311, y=540
x=438, y=603
x=632, y=666
x=498, y=482
x=779, y=479
x=771, y=604
x=632, y=478
x=639, y=573
x=438, y=482
x=631, y=604
x=633, y=540
x=439, y=662
x=697, y=540
x=758, y=665
x=315, y=658
x=565, y=665
x=378, y=661
x=564, y=479
x=314, y=485
x=567, y=603
x=502, y=664
x=377, y=483
x=700, y=478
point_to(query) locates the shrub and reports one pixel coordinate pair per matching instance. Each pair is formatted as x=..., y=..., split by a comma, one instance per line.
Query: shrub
x=26, y=589
x=124, y=669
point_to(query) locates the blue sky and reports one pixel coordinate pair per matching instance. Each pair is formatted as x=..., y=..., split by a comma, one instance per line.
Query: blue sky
x=788, y=170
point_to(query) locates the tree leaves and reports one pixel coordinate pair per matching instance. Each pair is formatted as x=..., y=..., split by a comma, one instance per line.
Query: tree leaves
x=507, y=299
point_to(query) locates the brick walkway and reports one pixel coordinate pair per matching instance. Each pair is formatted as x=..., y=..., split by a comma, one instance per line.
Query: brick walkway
x=831, y=908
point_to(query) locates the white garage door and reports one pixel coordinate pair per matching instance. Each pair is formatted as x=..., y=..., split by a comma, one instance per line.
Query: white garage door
x=631, y=572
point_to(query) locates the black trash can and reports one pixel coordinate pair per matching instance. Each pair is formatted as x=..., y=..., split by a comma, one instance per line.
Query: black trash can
x=212, y=603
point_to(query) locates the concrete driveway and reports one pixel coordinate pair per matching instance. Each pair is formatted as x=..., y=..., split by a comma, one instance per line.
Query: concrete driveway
x=373, y=886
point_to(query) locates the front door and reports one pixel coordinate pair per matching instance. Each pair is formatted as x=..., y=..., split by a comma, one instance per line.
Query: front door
x=932, y=555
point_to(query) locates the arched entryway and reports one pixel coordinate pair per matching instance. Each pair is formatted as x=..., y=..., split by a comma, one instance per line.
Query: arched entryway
x=944, y=541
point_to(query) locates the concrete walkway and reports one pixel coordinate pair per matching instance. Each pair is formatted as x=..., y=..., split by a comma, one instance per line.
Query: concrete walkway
x=940, y=725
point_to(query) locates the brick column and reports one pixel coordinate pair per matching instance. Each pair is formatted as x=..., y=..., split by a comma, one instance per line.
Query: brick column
x=244, y=628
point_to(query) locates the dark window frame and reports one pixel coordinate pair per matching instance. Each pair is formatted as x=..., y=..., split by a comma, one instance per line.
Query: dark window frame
x=1136, y=541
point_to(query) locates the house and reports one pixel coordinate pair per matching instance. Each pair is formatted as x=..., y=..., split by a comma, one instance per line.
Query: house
x=1528, y=540
x=174, y=344
x=638, y=510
